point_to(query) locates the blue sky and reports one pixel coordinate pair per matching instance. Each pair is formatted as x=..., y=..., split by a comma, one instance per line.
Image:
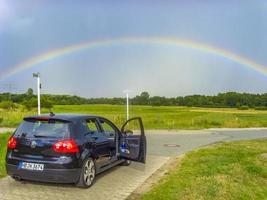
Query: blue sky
x=29, y=28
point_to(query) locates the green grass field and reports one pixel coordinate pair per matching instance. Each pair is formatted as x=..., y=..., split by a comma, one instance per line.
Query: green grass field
x=164, y=117
x=3, y=143
x=236, y=170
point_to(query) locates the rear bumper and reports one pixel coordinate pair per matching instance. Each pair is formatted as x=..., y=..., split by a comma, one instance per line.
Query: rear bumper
x=47, y=175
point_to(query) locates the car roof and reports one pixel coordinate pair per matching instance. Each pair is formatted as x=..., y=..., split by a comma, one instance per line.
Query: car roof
x=64, y=117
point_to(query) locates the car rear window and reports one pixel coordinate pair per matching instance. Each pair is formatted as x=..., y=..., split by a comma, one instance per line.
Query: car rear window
x=43, y=129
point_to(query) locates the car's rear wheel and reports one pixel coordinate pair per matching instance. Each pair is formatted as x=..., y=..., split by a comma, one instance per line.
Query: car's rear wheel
x=17, y=178
x=88, y=173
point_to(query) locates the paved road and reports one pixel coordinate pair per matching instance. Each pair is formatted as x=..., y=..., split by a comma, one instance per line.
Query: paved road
x=188, y=140
x=119, y=182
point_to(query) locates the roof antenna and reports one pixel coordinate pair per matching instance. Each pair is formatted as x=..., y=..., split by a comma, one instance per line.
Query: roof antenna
x=52, y=114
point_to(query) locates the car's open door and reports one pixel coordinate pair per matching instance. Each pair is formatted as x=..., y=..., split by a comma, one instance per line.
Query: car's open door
x=132, y=142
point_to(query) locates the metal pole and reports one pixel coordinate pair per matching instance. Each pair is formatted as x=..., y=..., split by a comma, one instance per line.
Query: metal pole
x=37, y=75
x=38, y=94
x=127, y=105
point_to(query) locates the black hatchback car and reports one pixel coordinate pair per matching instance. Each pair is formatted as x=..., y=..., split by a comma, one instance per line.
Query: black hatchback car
x=72, y=148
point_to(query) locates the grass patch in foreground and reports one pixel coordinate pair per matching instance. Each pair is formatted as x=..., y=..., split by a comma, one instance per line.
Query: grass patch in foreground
x=3, y=145
x=236, y=170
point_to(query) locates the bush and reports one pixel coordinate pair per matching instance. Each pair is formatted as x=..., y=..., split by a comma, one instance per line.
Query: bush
x=244, y=107
x=46, y=103
x=32, y=103
x=7, y=105
x=260, y=108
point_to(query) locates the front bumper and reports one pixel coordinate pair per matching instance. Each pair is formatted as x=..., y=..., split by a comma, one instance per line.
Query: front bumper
x=47, y=175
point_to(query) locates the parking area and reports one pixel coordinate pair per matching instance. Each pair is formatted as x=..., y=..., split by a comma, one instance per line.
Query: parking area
x=121, y=181
x=116, y=183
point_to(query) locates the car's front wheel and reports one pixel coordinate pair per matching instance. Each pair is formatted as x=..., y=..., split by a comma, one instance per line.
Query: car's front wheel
x=88, y=173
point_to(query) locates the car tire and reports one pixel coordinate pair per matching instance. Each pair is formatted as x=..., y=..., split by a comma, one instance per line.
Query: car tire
x=88, y=173
x=17, y=179
x=126, y=163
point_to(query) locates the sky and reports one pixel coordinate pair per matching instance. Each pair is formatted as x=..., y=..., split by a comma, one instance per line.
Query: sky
x=30, y=28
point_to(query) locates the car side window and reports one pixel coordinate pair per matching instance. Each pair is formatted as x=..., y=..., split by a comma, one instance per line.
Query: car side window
x=92, y=125
x=84, y=128
x=108, y=130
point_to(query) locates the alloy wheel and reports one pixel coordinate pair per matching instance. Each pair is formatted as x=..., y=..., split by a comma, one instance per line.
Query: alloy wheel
x=89, y=172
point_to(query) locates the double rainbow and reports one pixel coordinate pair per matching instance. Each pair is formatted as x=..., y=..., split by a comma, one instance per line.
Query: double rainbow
x=61, y=52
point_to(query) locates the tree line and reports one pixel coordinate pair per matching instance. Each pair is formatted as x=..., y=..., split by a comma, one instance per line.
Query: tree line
x=228, y=99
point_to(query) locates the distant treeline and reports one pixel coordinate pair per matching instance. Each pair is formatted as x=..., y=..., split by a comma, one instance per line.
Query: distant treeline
x=229, y=99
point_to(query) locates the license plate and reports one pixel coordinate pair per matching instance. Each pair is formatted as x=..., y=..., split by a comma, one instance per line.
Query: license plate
x=31, y=166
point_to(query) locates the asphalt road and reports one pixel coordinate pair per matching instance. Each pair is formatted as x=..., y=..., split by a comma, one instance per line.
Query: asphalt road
x=119, y=182
x=173, y=143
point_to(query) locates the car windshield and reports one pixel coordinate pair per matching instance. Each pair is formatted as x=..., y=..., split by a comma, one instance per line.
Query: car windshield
x=45, y=129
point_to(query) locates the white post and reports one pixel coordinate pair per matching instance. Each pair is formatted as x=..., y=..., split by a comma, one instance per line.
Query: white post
x=127, y=105
x=38, y=93
x=37, y=75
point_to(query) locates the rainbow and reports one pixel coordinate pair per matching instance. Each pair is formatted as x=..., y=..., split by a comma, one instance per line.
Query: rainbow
x=60, y=52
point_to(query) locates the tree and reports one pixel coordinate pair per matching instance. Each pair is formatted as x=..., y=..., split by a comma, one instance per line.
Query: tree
x=143, y=99
x=29, y=92
x=144, y=95
x=156, y=101
x=46, y=103
x=229, y=99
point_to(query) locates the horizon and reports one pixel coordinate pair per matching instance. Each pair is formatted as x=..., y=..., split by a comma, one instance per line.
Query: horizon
x=130, y=97
x=98, y=49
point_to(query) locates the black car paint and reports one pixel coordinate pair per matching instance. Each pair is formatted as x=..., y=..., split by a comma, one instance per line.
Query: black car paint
x=66, y=168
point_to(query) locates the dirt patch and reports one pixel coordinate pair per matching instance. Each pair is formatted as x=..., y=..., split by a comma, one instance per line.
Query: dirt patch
x=264, y=155
x=4, y=130
x=155, y=178
x=231, y=111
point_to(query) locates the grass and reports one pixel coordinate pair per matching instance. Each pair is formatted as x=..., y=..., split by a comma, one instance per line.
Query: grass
x=164, y=117
x=233, y=170
x=3, y=141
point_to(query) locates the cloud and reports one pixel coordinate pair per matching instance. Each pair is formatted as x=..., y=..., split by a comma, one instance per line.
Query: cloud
x=4, y=9
x=5, y=14
x=10, y=19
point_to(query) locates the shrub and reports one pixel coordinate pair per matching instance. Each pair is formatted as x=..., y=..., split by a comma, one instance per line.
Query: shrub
x=261, y=108
x=46, y=103
x=32, y=103
x=243, y=107
x=7, y=105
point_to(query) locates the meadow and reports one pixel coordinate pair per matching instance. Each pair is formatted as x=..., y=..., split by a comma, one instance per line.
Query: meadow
x=158, y=117
x=232, y=170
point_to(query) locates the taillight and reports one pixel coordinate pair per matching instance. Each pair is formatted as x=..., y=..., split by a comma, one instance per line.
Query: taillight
x=65, y=146
x=12, y=143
